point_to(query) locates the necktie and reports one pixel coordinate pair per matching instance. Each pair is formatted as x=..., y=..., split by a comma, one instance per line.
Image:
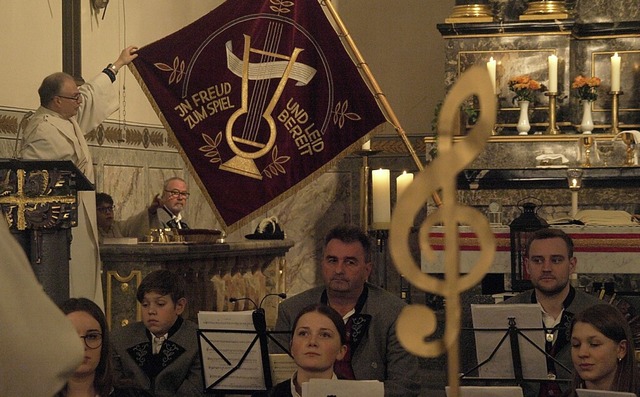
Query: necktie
x=157, y=343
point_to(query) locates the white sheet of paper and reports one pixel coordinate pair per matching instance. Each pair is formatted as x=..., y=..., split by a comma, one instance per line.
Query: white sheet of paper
x=602, y=393
x=250, y=375
x=488, y=391
x=343, y=388
x=534, y=364
x=282, y=367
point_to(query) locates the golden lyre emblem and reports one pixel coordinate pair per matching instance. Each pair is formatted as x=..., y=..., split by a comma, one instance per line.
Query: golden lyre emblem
x=416, y=323
x=245, y=143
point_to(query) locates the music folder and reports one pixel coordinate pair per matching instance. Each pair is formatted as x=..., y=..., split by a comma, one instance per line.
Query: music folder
x=233, y=357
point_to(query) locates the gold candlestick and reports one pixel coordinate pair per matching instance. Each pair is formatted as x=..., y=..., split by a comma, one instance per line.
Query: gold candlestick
x=494, y=130
x=615, y=107
x=587, y=142
x=628, y=140
x=553, y=127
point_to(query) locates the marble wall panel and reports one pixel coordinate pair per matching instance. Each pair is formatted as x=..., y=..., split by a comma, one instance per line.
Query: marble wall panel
x=515, y=55
x=122, y=183
x=592, y=57
x=595, y=11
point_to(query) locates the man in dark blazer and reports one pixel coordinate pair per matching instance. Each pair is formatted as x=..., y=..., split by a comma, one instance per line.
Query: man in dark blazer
x=370, y=313
x=550, y=263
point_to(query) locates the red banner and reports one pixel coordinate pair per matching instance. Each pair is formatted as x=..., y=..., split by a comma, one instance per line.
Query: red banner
x=261, y=96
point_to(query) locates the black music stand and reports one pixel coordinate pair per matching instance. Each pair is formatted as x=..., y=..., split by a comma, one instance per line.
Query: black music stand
x=513, y=333
x=223, y=344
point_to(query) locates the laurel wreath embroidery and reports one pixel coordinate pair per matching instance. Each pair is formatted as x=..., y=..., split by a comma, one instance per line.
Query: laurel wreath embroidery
x=340, y=114
x=276, y=168
x=177, y=70
x=211, y=149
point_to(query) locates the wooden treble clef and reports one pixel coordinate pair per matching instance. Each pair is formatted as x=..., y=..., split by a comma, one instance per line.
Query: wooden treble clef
x=417, y=322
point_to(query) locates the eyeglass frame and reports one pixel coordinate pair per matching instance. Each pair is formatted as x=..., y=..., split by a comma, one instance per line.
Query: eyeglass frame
x=90, y=335
x=104, y=210
x=76, y=97
x=177, y=193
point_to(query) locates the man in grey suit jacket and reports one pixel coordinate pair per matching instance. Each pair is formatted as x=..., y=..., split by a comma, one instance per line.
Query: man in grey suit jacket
x=550, y=262
x=370, y=314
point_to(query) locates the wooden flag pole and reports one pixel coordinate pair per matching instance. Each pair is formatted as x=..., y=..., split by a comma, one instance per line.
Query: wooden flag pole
x=380, y=96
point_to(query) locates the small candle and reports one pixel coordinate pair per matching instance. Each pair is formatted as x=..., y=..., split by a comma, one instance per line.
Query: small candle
x=553, y=73
x=615, y=72
x=381, y=196
x=402, y=182
x=366, y=145
x=491, y=67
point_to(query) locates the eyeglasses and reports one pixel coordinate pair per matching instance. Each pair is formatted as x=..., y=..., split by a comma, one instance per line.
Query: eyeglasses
x=92, y=340
x=76, y=97
x=104, y=210
x=176, y=193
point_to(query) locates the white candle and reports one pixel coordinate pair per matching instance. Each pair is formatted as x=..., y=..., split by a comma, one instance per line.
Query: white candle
x=491, y=67
x=381, y=197
x=366, y=145
x=553, y=73
x=402, y=182
x=615, y=72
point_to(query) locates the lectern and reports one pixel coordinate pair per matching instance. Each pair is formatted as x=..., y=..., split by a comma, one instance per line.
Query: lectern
x=39, y=201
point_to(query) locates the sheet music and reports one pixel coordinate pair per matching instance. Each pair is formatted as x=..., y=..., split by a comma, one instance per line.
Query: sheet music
x=232, y=346
x=282, y=367
x=534, y=364
x=342, y=388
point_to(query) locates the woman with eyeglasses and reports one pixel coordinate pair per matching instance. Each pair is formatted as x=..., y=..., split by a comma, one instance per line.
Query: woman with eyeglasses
x=94, y=377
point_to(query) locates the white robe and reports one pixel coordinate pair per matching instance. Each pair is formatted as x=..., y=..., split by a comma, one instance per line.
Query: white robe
x=48, y=136
x=40, y=347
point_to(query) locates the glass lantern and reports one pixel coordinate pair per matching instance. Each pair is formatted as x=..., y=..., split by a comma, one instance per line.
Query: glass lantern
x=520, y=229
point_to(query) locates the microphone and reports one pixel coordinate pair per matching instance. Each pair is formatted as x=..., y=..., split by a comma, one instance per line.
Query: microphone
x=234, y=300
x=255, y=305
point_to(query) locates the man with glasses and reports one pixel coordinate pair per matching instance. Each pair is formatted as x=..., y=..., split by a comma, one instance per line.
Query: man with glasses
x=108, y=227
x=169, y=204
x=56, y=132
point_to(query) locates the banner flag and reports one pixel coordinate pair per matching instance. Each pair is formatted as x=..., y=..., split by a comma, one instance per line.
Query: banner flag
x=261, y=97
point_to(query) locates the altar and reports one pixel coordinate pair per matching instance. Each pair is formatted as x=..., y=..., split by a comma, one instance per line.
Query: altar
x=599, y=249
x=213, y=272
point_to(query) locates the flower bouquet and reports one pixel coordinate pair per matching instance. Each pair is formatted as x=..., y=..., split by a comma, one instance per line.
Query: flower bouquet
x=525, y=88
x=586, y=87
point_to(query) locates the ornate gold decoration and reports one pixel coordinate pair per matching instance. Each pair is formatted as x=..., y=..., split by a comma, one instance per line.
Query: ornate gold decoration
x=26, y=193
x=135, y=275
x=545, y=9
x=467, y=13
x=417, y=323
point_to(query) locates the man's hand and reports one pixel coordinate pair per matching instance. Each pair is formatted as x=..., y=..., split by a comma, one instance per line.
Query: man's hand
x=155, y=204
x=126, y=56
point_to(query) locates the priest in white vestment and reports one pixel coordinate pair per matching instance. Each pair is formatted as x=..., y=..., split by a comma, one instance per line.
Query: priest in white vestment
x=56, y=132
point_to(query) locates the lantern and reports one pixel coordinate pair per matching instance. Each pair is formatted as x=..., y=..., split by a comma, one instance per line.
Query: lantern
x=520, y=230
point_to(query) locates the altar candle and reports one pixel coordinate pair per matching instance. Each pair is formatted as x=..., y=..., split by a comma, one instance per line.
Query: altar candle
x=615, y=72
x=402, y=182
x=491, y=67
x=553, y=73
x=381, y=196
